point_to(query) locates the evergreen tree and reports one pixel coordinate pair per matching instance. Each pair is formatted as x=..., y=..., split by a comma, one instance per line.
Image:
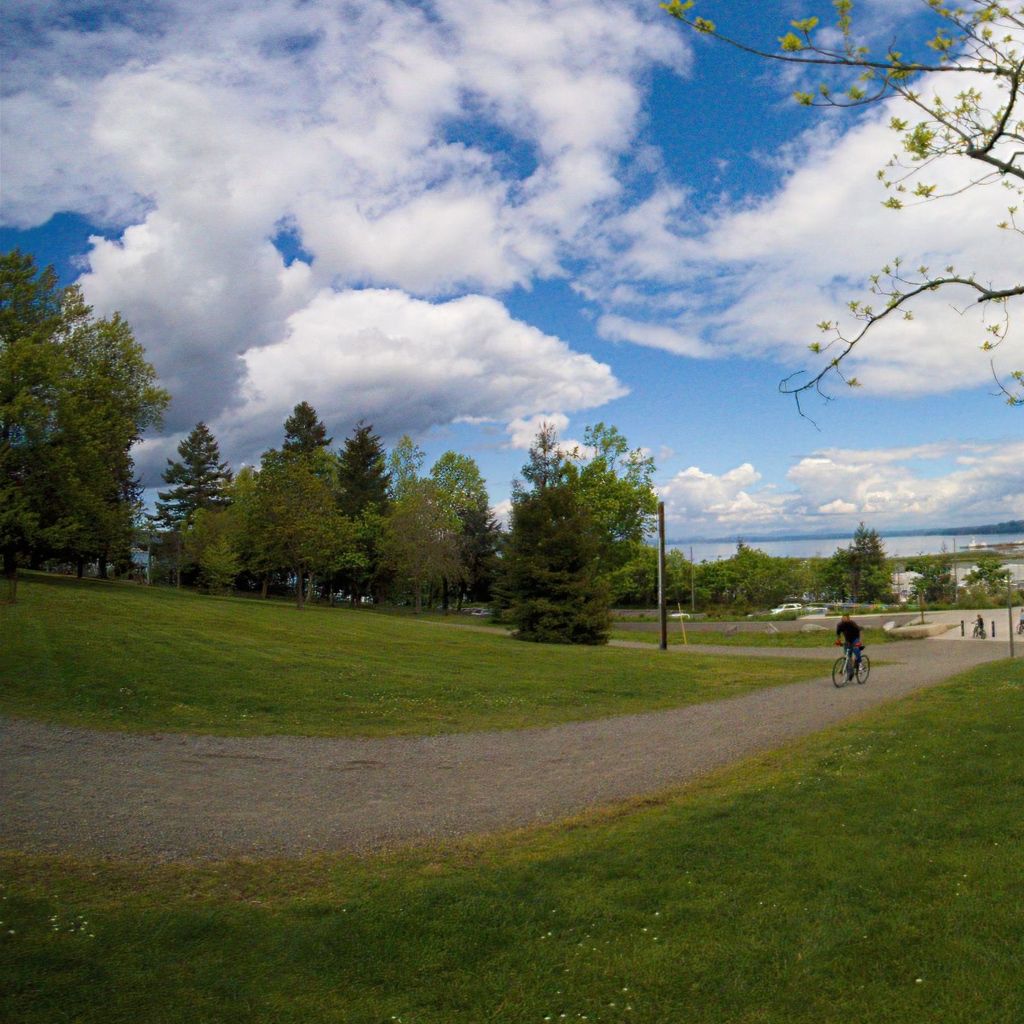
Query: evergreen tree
x=547, y=463
x=869, y=573
x=200, y=480
x=363, y=482
x=363, y=476
x=551, y=564
x=304, y=432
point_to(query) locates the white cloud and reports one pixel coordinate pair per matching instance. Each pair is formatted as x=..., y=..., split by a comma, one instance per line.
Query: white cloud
x=524, y=430
x=682, y=343
x=378, y=133
x=946, y=483
x=405, y=364
x=753, y=279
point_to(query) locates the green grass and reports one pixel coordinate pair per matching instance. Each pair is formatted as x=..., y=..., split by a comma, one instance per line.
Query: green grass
x=873, y=874
x=120, y=656
x=756, y=638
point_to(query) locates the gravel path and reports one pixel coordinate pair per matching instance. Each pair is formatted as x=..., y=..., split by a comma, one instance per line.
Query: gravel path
x=172, y=796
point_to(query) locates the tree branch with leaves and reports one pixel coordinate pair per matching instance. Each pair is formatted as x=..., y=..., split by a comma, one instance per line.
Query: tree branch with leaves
x=979, y=44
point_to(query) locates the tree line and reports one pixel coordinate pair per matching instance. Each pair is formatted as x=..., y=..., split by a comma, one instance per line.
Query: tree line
x=76, y=394
x=353, y=522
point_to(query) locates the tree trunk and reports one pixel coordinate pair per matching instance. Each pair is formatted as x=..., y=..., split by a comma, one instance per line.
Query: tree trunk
x=444, y=594
x=80, y=567
x=103, y=567
x=264, y=585
x=300, y=579
x=418, y=590
x=11, y=574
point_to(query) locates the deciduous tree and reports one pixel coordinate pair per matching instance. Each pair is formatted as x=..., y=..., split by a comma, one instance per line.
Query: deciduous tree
x=76, y=393
x=421, y=539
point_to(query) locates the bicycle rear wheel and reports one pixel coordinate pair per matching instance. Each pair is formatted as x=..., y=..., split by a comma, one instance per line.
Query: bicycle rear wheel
x=839, y=672
x=863, y=669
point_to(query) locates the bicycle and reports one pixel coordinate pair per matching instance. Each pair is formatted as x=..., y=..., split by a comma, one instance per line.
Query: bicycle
x=979, y=632
x=846, y=668
x=1020, y=627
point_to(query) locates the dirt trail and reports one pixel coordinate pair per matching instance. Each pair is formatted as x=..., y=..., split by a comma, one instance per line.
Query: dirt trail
x=172, y=796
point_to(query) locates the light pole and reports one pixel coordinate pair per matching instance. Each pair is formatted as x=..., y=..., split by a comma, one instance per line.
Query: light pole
x=662, y=608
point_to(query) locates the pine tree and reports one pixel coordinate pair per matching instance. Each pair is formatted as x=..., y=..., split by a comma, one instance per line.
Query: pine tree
x=200, y=479
x=551, y=569
x=304, y=431
x=363, y=477
x=869, y=575
x=363, y=482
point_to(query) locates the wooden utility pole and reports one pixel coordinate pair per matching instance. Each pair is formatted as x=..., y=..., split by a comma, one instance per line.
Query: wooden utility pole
x=662, y=606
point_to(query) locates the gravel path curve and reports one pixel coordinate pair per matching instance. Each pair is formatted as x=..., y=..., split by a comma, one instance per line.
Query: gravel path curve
x=173, y=796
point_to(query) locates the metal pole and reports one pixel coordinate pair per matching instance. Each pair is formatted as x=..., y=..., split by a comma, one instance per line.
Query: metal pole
x=662, y=607
x=1009, y=608
x=693, y=585
x=956, y=582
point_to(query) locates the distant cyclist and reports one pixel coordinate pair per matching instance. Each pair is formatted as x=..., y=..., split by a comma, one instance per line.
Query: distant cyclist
x=1020, y=624
x=848, y=634
x=979, y=628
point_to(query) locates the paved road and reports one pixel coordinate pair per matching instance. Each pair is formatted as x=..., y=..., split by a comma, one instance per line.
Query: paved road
x=176, y=796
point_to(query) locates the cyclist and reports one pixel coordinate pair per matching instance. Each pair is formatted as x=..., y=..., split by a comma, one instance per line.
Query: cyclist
x=849, y=632
x=979, y=628
x=1020, y=625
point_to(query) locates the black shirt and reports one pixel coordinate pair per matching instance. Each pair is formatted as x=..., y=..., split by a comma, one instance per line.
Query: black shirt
x=849, y=631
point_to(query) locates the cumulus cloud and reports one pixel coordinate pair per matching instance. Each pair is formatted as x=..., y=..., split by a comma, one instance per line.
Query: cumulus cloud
x=377, y=135
x=754, y=278
x=840, y=487
x=405, y=364
x=523, y=431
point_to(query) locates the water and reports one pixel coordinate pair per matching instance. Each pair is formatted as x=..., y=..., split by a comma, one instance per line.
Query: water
x=919, y=544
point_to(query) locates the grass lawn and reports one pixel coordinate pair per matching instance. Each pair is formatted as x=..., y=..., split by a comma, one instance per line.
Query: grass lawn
x=873, y=873
x=757, y=638
x=121, y=656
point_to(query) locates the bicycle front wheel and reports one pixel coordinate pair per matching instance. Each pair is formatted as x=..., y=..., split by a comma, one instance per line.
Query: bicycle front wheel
x=839, y=672
x=863, y=669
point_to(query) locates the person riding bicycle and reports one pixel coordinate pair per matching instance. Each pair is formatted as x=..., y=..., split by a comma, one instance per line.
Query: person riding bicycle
x=979, y=627
x=849, y=631
x=1020, y=624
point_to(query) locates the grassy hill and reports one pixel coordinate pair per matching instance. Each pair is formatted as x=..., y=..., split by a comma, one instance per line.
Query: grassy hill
x=120, y=656
x=868, y=874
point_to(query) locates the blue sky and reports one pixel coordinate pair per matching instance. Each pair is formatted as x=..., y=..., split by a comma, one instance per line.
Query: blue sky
x=459, y=220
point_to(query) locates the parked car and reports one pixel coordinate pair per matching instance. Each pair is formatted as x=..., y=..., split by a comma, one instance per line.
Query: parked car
x=783, y=608
x=478, y=611
x=679, y=615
